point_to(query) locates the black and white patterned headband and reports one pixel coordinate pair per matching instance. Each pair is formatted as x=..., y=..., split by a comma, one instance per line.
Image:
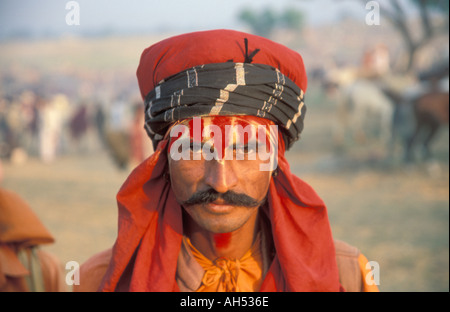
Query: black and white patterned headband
x=226, y=89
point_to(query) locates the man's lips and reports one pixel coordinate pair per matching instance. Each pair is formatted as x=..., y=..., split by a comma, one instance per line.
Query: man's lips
x=219, y=201
x=218, y=207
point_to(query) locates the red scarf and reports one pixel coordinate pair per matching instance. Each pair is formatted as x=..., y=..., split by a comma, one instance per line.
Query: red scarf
x=150, y=233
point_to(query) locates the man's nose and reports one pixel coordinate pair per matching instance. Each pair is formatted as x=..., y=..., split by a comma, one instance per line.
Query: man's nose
x=220, y=175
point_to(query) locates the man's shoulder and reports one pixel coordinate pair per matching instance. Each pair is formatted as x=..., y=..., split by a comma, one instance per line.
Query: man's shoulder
x=344, y=249
x=352, y=268
x=92, y=271
x=348, y=266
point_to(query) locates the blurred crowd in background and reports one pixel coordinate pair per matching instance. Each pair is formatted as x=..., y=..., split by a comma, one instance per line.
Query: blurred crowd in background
x=61, y=115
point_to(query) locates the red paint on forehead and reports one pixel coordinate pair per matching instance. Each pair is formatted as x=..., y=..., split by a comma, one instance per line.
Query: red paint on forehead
x=196, y=127
x=240, y=120
x=223, y=122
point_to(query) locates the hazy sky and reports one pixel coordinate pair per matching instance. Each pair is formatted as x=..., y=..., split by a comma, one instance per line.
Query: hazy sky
x=154, y=15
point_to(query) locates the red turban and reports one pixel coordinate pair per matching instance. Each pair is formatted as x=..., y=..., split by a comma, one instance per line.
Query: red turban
x=175, y=54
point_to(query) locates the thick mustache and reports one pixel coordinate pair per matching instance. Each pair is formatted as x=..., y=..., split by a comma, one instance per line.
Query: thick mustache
x=229, y=198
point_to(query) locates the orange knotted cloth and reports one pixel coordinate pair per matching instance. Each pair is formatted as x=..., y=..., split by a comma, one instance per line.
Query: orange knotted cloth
x=231, y=275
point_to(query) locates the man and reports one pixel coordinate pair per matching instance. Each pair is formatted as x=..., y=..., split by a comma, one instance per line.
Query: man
x=216, y=208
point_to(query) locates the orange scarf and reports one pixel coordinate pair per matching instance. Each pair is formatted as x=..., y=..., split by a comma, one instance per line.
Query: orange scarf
x=150, y=233
x=231, y=275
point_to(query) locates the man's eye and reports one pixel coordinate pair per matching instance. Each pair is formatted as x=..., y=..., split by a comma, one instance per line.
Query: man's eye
x=196, y=147
x=244, y=148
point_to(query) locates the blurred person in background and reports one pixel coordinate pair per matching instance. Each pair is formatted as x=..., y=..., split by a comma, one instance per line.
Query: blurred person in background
x=117, y=125
x=217, y=224
x=24, y=266
x=54, y=115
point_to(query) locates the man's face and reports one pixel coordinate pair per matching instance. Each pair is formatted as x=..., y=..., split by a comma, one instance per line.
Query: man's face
x=218, y=180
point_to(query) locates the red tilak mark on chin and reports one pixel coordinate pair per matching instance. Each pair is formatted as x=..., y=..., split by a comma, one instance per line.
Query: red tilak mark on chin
x=222, y=240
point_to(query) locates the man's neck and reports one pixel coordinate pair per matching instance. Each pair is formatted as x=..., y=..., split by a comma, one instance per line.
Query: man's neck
x=232, y=245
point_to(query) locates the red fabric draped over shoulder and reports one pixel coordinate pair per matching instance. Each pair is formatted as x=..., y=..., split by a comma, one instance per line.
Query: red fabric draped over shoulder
x=305, y=254
x=150, y=230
